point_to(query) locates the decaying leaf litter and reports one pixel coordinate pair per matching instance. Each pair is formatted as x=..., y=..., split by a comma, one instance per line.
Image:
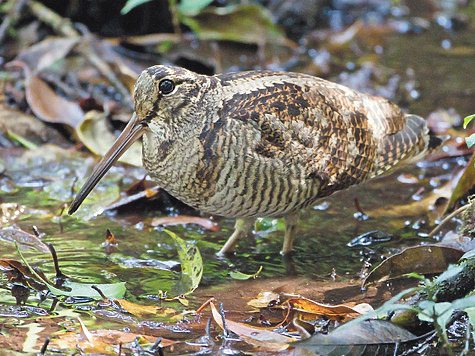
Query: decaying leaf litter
x=70, y=90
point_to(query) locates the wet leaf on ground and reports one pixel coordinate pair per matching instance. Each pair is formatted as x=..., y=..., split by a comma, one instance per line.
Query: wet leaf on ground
x=144, y=310
x=185, y=219
x=428, y=259
x=368, y=332
x=334, y=312
x=264, y=339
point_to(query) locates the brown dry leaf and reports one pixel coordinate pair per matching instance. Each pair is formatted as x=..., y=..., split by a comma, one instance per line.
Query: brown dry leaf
x=46, y=104
x=307, y=306
x=95, y=135
x=263, y=299
x=185, y=219
x=100, y=341
x=428, y=259
x=23, y=269
x=144, y=310
x=43, y=54
x=265, y=339
x=12, y=234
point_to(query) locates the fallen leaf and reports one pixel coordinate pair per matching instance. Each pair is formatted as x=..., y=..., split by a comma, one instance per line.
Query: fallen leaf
x=249, y=23
x=264, y=339
x=263, y=299
x=359, y=335
x=427, y=259
x=74, y=289
x=464, y=184
x=307, y=306
x=185, y=219
x=143, y=310
x=244, y=276
x=95, y=135
x=12, y=234
x=46, y=104
x=191, y=265
x=43, y=54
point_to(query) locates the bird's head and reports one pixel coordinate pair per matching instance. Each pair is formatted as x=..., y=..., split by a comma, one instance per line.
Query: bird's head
x=170, y=102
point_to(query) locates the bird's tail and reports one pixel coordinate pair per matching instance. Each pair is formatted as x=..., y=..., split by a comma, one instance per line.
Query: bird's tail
x=408, y=145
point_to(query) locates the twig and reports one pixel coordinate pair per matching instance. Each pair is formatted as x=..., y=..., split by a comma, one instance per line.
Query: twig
x=11, y=17
x=447, y=218
x=60, y=24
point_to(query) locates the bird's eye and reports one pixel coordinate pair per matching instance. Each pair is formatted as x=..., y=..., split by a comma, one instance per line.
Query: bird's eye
x=166, y=86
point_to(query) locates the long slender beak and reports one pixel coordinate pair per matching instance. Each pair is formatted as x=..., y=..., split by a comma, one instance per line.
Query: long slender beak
x=132, y=132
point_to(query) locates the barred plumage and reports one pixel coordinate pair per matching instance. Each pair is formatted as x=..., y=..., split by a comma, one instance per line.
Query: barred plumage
x=261, y=143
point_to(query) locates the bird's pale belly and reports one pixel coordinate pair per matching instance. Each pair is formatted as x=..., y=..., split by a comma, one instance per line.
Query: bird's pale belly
x=232, y=186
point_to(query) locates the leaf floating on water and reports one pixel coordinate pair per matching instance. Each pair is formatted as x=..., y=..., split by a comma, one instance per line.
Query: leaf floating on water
x=428, y=259
x=95, y=135
x=244, y=276
x=191, y=265
x=265, y=339
x=185, y=219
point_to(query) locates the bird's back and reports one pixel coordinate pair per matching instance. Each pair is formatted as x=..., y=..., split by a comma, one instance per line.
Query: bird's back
x=332, y=133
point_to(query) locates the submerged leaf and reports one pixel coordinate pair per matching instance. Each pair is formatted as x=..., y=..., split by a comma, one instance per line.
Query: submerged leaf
x=12, y=234
x=191, y=265
x=244, y=276
x=109, y=290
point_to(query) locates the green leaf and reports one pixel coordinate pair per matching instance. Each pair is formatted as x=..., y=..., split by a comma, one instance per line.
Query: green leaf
x=470, y=140
x=240, y=23
x=110, y=290
x=192, y=7
x=244, y=276
x=191, y=265
x=131, y=4
x=467, y=120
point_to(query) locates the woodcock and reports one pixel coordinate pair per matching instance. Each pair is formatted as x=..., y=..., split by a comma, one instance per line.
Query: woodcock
x=261, y=143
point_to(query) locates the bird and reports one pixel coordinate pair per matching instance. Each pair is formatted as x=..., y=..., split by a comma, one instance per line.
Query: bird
x=261, y=143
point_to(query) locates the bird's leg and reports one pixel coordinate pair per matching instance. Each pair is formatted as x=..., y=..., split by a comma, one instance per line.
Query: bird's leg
x=242, y=227
x=291, y=222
